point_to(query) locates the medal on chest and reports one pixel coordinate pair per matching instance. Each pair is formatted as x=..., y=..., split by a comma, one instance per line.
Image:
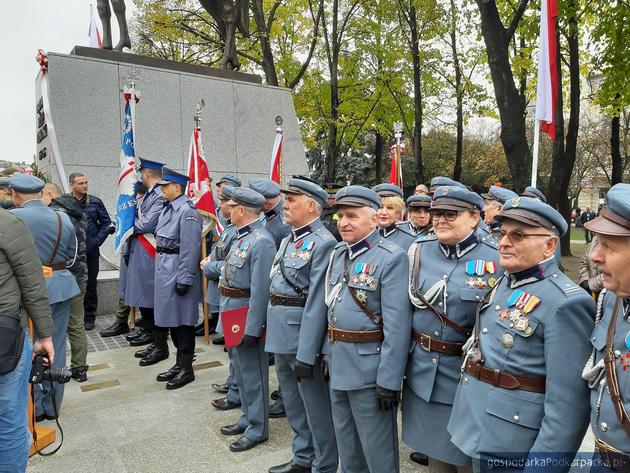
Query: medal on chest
x=302, y=250
x=624, y=360
x=476, y=269
x=520, y=304
x=364, y=275
x=242, y=249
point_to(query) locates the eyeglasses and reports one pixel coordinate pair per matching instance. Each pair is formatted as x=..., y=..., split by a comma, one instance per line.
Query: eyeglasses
x=449, y=215
x=516, y=236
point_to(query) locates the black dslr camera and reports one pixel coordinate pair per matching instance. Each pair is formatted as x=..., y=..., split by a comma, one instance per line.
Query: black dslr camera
x=41, y=372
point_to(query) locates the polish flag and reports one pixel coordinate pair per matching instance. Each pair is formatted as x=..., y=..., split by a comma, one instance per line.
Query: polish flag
x=93, y=33
x=276, y=157
x=395, y=173
x=547, y=91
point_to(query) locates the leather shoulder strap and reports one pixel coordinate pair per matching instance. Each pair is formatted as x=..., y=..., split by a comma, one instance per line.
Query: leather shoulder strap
x=362, y=305
x=283, y=248
x=56, y=248
x=611, y=373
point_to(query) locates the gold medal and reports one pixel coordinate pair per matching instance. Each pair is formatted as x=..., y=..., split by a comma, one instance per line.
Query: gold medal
x=492, y=281
x=507, y=340
x=362, y=277
x=522, y=324
x=361, y=295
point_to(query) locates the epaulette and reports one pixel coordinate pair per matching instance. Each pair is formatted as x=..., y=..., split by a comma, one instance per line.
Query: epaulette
x=191, y=205
x=429, y=237
x=340, y=244
x=391, y=247
x=566, y=286
x=324, y=235
x=404, y=227
x=489, y=240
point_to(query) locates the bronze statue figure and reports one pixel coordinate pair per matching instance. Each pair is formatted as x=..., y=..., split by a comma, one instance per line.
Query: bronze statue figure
x=105, y=14
x=229, y=15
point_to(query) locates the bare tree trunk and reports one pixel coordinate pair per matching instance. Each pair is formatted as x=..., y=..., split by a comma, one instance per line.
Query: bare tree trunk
x=459, y=93
x=379, y=148
x=268, y=63
x=332, y=150
x=615, y=150
x=417, y=96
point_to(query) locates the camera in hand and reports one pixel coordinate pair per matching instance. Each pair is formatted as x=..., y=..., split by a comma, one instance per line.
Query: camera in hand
x=41, y=372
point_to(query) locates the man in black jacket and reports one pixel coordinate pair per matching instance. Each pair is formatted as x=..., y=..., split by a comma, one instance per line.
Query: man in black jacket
x=98, y=223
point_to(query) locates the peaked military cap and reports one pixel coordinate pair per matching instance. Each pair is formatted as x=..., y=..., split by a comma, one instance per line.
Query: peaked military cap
x=534, y=193
x=500, y=194
x=456, y=198
x=533, y=212
x=150, y=164
x=388, y=190
x=307, y=188
x=231, y=180
x=247, y=197
x=439, y=181
x=168, y=176
x=25, y=183
x=419, y=201
x=268, y=188
x=614, y=218
x=225, y=193
x=358, y=196
x=4, y=182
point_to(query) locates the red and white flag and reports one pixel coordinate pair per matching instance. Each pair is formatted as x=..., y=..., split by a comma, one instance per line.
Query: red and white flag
x=199, y=188
x=276, y=157
x=547, y=91
x=93, y=33
x=395, y=173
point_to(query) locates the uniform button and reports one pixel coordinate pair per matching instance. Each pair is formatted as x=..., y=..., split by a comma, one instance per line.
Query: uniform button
x=436, y=333
x=378, y=349
x=484, y=330
x=555, y=275
x=338, y=298
x=617, y=353
x=465, y=380
x=511, y=324
x=603, y=426
x=440, y=304
x=594, y=338
x=516, y=418
x=497, y=307
x=444, y=277
x=434, y=361
x=477, y=297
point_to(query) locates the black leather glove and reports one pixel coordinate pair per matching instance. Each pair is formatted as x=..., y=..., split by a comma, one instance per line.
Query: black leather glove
x=126, y=258
x=249, y=341
x=386, y=399
x=302, y=371
x=323, y=366
x=584, y=285
x=181, y=289
x=111, y=229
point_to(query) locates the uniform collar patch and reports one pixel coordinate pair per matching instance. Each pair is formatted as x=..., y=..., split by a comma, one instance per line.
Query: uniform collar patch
x=460, y=249
x=362, y=246
x=303, y=231
x=387, y=231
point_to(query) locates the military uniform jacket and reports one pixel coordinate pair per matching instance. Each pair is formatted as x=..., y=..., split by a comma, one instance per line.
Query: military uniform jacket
x=178, y=228
x=378, y=270
x=140, y=277
x=247, y=266
x=300, y=330
x=549, y=338
x=604, y=421
x=398, y=233
x=42, y=223
x=275, y=224
x=212, y=269
x=453, y=279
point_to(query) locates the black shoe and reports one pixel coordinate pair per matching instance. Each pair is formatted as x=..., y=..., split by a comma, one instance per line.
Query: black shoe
x=80, y=375
x=144, y=352
x=218, y=341
x=243, y=444
x=419, y=458
x=223, y=404
x=137, y=332
x=232, y=429
x=220, y=388
x=43, y=417
x=185, y=375
x=144, y=339
x=289, y=468
x=200, y=329
x=159, y=352
x=89, y=325
x=170, y=374
x=117, y=328
x=275, y=395
x=276, y=411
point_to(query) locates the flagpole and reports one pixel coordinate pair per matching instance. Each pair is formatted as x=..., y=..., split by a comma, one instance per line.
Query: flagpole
x=535, y=153
x=279, y=131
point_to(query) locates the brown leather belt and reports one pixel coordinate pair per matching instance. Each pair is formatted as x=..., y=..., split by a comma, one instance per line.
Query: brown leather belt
x=355, y=336
x=505, y=380
x=56, y=266
x=611, y=457
x=276, y=299
x=234, y=292
x=431, y=344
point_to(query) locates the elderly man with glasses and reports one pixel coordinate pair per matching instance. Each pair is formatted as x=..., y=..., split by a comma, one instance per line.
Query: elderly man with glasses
x=521, y=401
x=451, y=271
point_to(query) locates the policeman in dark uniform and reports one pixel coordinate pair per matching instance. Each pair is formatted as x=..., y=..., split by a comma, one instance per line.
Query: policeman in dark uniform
x=177, y=278
x=329, y=216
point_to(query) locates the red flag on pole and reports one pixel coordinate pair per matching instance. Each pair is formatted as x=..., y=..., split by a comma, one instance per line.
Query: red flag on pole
x=547, y=89
x=93, y=33
x=199, y=188
x=395, y=173
x=276, y=157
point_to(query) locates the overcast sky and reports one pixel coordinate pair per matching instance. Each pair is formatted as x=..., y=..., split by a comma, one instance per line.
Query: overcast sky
x=29, y=25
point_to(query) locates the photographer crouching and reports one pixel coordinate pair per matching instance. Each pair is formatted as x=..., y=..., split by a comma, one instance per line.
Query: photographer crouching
x=22, y=292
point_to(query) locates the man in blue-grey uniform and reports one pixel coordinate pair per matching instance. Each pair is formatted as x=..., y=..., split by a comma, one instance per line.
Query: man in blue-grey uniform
x=418, y=210
x=138, y=257
x=55, y=240
x=390, y=215
x=369, y=328
x=277, y=227
x=227, y=180
x=534, y=193
x=521, y=400
x=177, y=280
x=439, y=181
x=607, y=371
x=451, y=270
x=245, y=283
x=296, y=328
x=212, y=267
x=494, y=200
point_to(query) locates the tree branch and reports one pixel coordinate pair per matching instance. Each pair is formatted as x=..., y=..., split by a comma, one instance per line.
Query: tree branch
x=516, y=20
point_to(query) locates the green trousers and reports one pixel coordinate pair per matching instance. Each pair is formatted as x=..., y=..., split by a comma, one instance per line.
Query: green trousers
x=76, y=331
